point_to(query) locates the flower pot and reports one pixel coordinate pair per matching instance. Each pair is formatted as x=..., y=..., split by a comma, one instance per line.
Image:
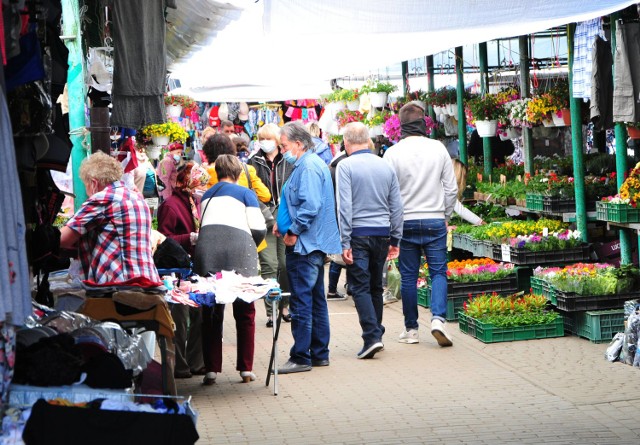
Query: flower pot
x=353, y=105
x=452, y=109
x=375, y=131
x=487, y=128
x=334, y=108
x=561, y=118
x=566, y=116
x=548, y=123
x=153, y=152
x=160, y=139
x=378, y=100
x=437, y=110
x=509, y=133
x=634, y=133
x=174, y=110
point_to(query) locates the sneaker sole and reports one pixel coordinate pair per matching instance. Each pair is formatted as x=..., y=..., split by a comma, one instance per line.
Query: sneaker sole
x=441, y=338
x=371, y=351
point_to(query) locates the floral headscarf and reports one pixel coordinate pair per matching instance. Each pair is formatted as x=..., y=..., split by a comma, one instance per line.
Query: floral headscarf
x=199, y=177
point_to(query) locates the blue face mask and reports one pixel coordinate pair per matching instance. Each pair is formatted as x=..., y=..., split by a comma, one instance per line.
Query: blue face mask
x=289, y=157
x=176, y=158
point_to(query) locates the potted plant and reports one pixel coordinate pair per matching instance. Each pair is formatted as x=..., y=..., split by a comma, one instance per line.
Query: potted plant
x=345, y=117
x=485, y=112
x=375, y=122
x=379, y=92
x=163, y=134
x=559, y=93
x=539, y=110
x=175, y=103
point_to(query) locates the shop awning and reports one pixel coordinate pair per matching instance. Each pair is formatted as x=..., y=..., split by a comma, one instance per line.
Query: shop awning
x=297, y=42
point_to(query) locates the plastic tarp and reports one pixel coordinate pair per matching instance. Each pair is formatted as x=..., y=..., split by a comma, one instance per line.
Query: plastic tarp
x=301, y=44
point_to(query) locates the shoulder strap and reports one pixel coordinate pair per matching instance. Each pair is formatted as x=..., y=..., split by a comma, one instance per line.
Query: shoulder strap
x=205, y=207
x=246, y=172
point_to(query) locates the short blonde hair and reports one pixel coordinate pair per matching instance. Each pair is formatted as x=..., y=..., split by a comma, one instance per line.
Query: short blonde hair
x=460, y=170
x=270, y=131
x=101, y=167
x=207, y=133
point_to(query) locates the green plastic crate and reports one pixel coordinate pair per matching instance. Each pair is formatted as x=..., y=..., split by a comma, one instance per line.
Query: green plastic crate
x=487, y=333
x=539, y=286
x=622, y=213
x=602, y=211
x=535, y=202
x=423, y=296
x=599, y=326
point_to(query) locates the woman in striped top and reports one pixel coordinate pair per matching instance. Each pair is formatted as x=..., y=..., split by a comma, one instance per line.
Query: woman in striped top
x=232, y=226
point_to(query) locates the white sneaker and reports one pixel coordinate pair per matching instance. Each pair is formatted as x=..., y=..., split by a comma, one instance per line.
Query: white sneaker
x=440, y=333
x=409, y=337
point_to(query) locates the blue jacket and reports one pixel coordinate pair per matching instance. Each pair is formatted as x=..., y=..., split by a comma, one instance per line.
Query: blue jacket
x=311, y=205
x=323, y=150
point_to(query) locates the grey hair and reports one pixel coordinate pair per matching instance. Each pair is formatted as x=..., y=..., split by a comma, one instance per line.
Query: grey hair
x=296, y=132
x=356, y=133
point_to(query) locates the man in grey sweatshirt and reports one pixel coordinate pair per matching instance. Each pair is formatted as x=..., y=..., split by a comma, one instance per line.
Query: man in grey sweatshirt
x=370, y=222
x=429, y=193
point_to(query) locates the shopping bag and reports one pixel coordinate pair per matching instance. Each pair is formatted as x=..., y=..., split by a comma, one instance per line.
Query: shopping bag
x=393, y=280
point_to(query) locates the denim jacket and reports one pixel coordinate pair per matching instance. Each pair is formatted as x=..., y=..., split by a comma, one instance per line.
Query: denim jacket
x=310, y=199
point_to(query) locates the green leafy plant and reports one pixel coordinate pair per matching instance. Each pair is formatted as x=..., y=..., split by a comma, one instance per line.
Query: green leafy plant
x=486, y=107
x=379, y=87
x=508, y=311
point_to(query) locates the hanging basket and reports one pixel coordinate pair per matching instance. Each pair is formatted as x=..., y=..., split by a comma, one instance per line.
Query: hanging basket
x=160, y=139
x=548, y=123
x=509, y=134
x=378, y=100
x=634, y=132
x=375, y=131
x=153, y=152
x=174, y=110
x=487, y=128
x=452, y=109
x=353, y=105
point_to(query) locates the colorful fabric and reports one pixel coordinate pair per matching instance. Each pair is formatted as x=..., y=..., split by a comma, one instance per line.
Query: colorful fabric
x=115, y=236
x=7, y=361
x=584, y=36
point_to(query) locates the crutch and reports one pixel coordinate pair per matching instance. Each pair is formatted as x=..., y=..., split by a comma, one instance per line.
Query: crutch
x=275, y=298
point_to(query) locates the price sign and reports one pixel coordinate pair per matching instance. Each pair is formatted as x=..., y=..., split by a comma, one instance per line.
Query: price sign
x=503, y=180
x=506, y=253
x=545, y=232
x=479, y=177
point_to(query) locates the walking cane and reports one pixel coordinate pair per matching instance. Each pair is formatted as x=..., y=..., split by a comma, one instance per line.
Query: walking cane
x=275, y=297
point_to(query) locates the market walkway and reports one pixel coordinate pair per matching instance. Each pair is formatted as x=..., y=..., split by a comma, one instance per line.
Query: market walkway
x=558, y=391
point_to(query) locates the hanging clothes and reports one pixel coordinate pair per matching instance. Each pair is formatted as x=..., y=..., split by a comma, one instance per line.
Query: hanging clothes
x=626, y=82
x=139, y=63
x=584, y=36
x=601, y=109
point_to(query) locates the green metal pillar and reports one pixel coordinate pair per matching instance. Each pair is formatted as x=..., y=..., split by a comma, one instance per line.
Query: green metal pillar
x=77, y=94
x=484, y=89
x=405, y=77
x=462, y=121
x=621, y=158
x=576, y=144
x=431, y=87
x=527, y=140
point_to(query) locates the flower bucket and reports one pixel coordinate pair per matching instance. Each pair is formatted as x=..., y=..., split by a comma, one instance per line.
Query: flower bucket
x=487, y=128
x=334, y=108
x=509, y=134
x=438, y=110
x=452, y=109
x=353, y=105
x=153, y=152
x=174, y=110
x=566, y=116
x=160, y=139
x=548, y=123
x=378, y=100
x=634, y=133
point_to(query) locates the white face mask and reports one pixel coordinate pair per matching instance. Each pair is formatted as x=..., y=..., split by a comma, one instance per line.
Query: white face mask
x=268, y=145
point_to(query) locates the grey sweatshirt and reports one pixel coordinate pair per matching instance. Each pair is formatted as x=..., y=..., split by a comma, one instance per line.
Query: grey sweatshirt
x=368, y=198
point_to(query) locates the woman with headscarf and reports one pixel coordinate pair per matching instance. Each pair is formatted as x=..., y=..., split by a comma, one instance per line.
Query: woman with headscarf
x=179, y=219
x=167, y=169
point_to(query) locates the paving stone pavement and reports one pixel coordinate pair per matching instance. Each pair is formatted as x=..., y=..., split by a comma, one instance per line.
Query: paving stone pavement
x=550, y=391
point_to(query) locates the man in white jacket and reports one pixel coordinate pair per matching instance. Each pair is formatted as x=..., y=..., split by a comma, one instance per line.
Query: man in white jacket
x=429, y=193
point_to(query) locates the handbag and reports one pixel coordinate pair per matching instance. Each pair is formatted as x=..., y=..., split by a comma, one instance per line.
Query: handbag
x=266, y=212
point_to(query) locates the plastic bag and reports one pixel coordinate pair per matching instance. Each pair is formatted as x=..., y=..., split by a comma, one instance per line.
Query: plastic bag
x=613, y=350
x=393, y=280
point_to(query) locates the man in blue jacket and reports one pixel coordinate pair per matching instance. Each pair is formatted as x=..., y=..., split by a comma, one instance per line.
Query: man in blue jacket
x=311, y=235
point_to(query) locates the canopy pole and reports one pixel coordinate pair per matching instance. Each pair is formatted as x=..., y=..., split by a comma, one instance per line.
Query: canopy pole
x=431, y=87
x=484, y=89
x=77, y=94
x=621, y=155
x=527, y=140
x=405, y=77
x=577, y=144
x=462, y=121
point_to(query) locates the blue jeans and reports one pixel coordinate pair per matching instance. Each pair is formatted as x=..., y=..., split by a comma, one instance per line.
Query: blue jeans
x=365, y=275
x=334, y=276
x=308, y=307
x=428, y=236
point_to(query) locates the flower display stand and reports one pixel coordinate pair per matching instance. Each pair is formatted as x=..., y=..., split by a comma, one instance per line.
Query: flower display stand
x=487, y=128
x=574, y=302
x=522, y=256
x=488, y=333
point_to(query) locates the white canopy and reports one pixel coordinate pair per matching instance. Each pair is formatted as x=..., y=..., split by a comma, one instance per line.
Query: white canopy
x=297, y=46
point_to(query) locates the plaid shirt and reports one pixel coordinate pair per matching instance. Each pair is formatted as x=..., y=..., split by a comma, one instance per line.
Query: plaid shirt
x=583, y=38
x=115, y=232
